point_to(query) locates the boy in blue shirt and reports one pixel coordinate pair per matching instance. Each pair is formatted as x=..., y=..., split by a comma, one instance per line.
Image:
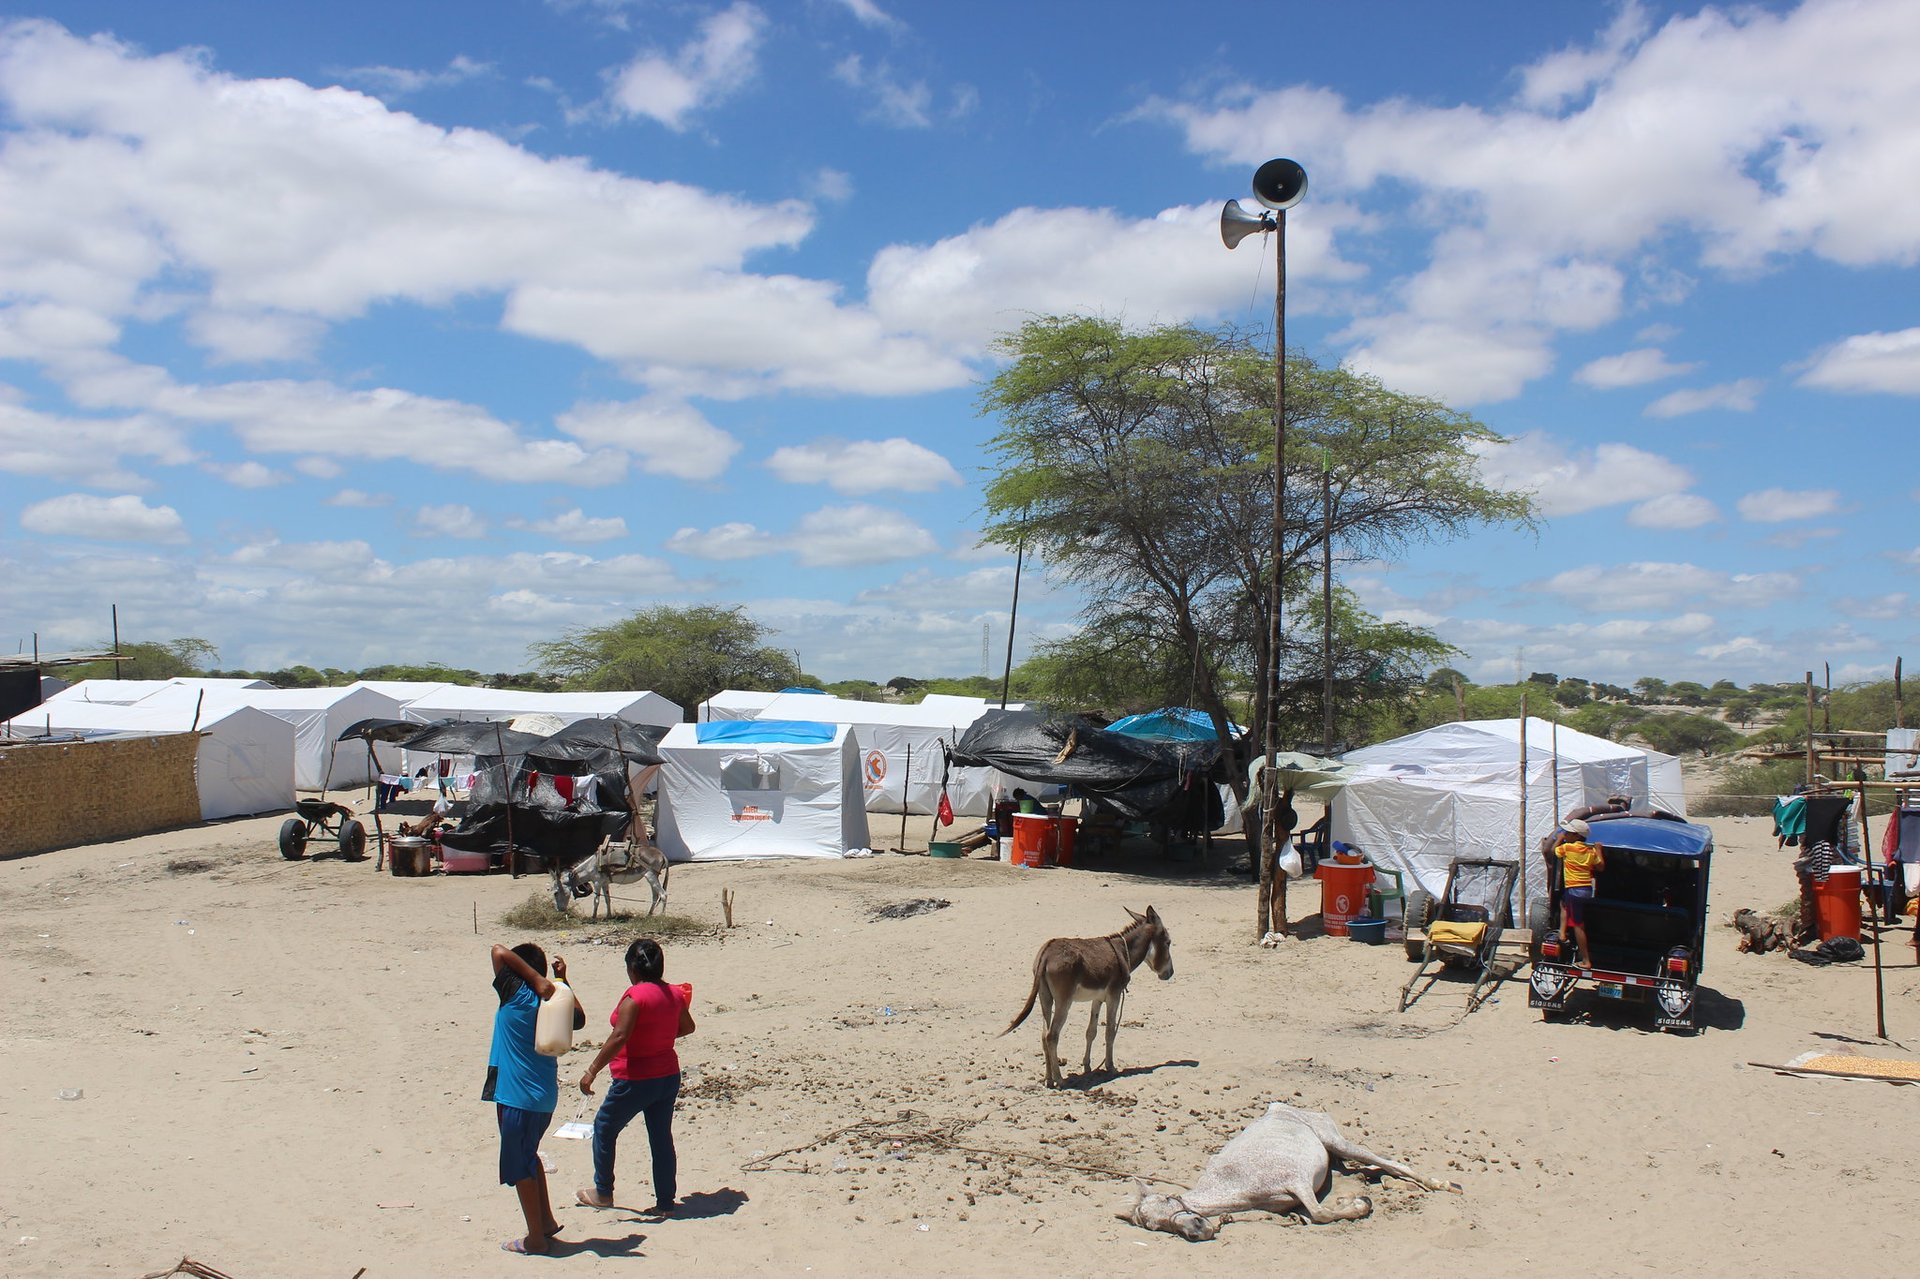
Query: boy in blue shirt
x=523, y=1084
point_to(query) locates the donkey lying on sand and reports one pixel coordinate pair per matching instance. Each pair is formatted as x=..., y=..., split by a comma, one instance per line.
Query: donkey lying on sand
x=1096, y=969
x=1277, y=1163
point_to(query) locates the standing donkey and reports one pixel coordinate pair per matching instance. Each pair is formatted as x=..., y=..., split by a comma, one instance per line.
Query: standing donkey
x=1096, y=969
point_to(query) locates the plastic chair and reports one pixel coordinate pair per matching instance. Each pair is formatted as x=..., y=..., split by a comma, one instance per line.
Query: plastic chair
x=1381, y=895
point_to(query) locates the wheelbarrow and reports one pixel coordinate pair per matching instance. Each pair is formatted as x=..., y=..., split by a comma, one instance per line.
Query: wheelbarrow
x=323, y=817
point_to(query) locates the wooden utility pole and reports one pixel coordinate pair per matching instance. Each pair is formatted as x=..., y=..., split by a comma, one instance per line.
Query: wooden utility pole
x=1810, y=768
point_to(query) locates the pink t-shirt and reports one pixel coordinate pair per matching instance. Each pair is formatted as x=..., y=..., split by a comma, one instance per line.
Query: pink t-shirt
x=649, y=1050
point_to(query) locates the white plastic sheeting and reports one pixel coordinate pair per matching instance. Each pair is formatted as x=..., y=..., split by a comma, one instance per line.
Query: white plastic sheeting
x=126, y=692
x=803, y=799
x=244, y=763
x=901, y=746
x=1416, y=803
x=460, y=702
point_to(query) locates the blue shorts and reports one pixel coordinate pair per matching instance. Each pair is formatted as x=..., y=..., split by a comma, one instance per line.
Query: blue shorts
x=520, y=1134
x=1573, y=904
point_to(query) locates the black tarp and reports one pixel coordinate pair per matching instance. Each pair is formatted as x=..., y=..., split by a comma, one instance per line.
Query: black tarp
x=1142, y=779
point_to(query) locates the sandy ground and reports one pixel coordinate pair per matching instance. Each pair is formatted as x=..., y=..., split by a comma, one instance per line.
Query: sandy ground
x=281, y=1065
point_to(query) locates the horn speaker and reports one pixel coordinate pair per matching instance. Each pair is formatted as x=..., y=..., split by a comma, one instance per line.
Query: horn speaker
x=1279, y=184
x=1236, y=224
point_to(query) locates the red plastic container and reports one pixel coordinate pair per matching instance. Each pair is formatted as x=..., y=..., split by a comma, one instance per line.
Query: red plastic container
x=1343, y=894
x=1035, y=839
x=1069, y=830
x=1837, y=903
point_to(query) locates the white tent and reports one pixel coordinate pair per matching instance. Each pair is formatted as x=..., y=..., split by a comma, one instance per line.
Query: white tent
x=403, y=691
x=244, y=763
x=126, y=692
x=900, y=745
x=737, y=799
x=1416, y=803
x=318, y=716
x=460, y=702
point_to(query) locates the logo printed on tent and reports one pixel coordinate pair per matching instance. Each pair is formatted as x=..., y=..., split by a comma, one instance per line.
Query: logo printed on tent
x=875, y=769
x=752, y=814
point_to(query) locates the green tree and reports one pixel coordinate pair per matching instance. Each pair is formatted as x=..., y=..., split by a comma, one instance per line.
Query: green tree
x=1677, y=734
x=1138, y=465
x=151, y=659
x=684, y=654
x=1650, y=689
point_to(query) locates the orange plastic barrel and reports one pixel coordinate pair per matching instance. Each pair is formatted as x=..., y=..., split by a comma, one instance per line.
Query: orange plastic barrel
x=1837, y=903
x=1069, y=829
x=1343, y=894
x=1034, y=839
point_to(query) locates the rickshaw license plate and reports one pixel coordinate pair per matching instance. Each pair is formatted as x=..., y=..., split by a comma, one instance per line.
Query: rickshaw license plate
x=1610, y=990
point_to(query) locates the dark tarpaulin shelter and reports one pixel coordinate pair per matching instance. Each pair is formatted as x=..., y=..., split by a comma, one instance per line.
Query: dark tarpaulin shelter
x=1143, y=779
x=556, y=826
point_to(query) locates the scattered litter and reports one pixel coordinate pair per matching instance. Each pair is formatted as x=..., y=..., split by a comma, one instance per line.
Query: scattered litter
x=71, y=1094
x=29, y=1238
x=769, y=923
x=192, y=931
x=575, y=1130
x=859, y=852
x=908, y=909
x=888, y=1012
x=922, y=1226
x=396, y=1204
x=43, y=936
x=179, y=923
x=1553, y=1059
x=839, y=1163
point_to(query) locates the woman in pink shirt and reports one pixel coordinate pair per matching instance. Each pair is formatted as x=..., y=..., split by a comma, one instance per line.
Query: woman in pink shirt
x=646, y=1074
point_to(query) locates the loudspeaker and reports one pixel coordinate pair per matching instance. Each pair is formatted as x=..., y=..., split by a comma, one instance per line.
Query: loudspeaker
x=1279, y=184
x=1236, y=224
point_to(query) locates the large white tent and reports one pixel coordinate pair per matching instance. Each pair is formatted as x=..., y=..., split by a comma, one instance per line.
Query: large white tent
x=460, y=702
x=318, y=716
x=790, y=793
x=126, y=692
x=244, y=763
x=1416, y=803
x=901, y=754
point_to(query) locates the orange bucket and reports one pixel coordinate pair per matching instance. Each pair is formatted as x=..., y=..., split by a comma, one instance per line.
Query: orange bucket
x=1343, y=894
x=1069, y=829
x=1035, y=839
x=1837, y=903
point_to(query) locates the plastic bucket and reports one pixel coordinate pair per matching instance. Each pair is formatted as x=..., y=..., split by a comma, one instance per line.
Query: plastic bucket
x=1367, y=929
x=944, y=849
x=1003, y=848
x=1069, y=831
x=1837, y=903
x=456, y=863
x=1035, y=839
x=1343, y=894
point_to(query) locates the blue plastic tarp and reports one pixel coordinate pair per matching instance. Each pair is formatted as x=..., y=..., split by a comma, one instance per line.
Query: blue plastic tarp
x=1171, y=724
x=762, y=730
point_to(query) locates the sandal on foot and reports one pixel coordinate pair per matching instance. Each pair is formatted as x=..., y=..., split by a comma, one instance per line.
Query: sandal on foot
x=519, y=1246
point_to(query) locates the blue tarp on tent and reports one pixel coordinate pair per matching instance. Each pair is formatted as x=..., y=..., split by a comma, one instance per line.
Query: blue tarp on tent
x=819, y=692
x=1171, y=724
x=762, y=730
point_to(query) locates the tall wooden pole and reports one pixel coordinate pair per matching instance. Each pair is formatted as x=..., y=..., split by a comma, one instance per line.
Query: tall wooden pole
x=1269, y=789
x=1523, y=806
x=1899, y=702
x=1326, y=600
x=1013, y=617
x=1810, y=768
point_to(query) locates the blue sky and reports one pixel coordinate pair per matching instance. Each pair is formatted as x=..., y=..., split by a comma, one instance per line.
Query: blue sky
x=347, y=334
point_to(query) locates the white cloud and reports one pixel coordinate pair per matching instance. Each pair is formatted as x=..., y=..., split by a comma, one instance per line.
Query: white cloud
x=1775, y=506
x=1674, y=511
x=843, y=536
x=1741, y=648
x=669, y=437
x=1653, y=585
x=872, y=15
x=833, y=186
x=1884, y=362
x=107, y=519
x=715, y=64
x=897, y=103
x=735, y=540
x=246, y=475
x=864, y=466
x=1630, y=368
x=989, y=589
x=1735, y=397
x=1569, y=481
x=320, y=468
x=86, y=450
x=247, y=337
x=832, y=537
x=355, y=498
x=398, y=82
x=575, y=526
x=1779, y=133
x=455, y=519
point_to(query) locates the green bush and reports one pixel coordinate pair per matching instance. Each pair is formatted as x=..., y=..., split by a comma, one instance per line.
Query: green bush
x=1747, y=790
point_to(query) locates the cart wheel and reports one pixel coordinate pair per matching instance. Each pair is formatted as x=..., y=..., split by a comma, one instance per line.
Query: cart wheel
x=293, y=839
x=1419, y=907
x=353, y=840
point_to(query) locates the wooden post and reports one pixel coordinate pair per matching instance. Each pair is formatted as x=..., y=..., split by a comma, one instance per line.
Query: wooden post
x=906, y=780
x=1523, y=806
x=1810, y=768
x=1876, y=908
x=1826, y=708
x=726, y=905
x=1899, y=702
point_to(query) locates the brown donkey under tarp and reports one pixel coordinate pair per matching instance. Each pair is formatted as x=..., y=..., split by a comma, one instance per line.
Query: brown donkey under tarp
x=1096, y=969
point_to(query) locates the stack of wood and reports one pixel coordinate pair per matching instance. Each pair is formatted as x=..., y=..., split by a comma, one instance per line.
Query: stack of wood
x=1761, y=933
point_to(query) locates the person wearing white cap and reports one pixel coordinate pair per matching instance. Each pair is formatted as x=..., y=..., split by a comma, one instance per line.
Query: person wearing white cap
x=1580, y=862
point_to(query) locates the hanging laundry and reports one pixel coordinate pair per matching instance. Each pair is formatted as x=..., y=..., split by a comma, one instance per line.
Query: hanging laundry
x=564, y=786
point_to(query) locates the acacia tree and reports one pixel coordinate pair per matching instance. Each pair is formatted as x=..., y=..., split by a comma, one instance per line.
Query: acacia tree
x=684, y=654
x=1138, y=465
